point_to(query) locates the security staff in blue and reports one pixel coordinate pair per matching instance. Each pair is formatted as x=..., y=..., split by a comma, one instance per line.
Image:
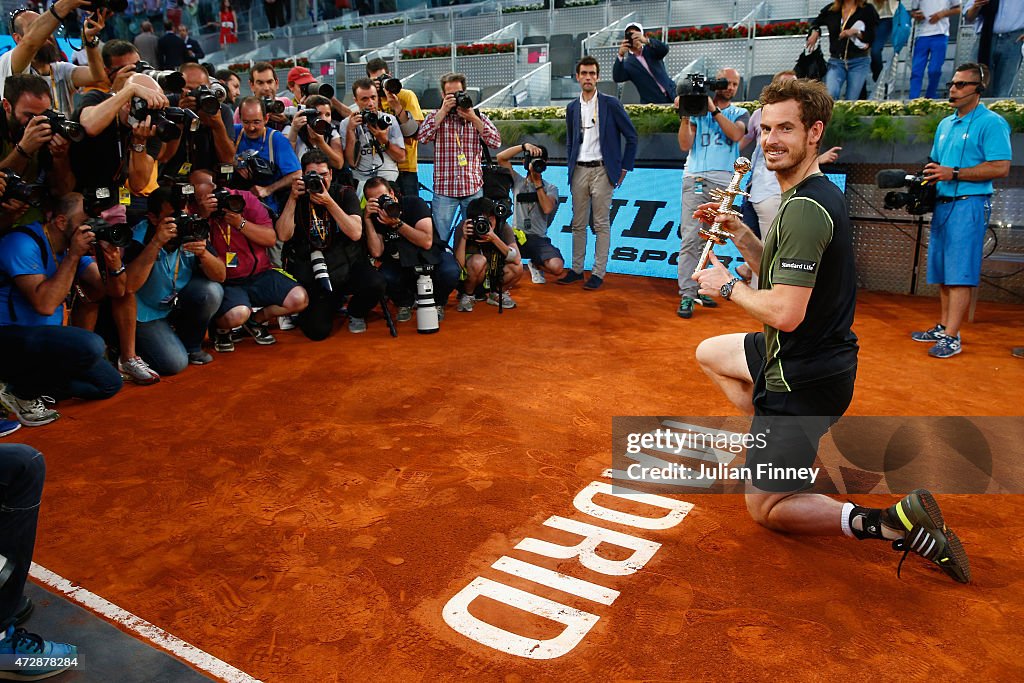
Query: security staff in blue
x=597, y=125
x=971, y=149
x=712, y=145
x=642, y=60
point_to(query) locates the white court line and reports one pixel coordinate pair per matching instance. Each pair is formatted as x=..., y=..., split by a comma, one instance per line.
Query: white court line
x=156, y=635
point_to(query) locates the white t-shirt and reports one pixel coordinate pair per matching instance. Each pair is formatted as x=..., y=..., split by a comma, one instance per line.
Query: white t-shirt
x=371, y=161
x=928, y=8
x=5, y=68
x=62, y=86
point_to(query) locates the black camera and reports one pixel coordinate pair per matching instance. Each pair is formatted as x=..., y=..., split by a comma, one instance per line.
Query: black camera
x=920, y=195
x=388, y=84
x=59, y=124
x=390, y=206
x=119, y=235
x=209, y=97
x=537, y=164
x=116, y=6
x=317, y=88
x=227, y=201
x=30, y=193
x=183, y=118
x=168, y=121
x=313, y=181
x=261, y=171
x=168, y=80
x=191, y=228
x=377, y=120
x=481, y=226
x=694, y=92
x=272, y=105
x=463, y=100
x=313, y=120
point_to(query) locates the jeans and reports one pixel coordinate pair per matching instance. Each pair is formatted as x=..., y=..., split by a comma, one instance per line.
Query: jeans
x=591, y=201
x=401, y=281
x=930, y=51
x=1005, y=62
x=22, y=471
x=61, y=362
x=882, y=34
x=853, y=72
x=444, y=209
x=165, y=344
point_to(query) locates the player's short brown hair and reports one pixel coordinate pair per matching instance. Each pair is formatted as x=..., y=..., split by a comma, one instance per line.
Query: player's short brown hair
x=812, y=96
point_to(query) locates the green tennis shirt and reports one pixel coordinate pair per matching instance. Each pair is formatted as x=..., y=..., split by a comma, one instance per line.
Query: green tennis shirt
x=810, y=244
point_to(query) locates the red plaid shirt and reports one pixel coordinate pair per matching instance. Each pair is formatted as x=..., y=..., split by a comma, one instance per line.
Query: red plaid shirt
x=451, y=137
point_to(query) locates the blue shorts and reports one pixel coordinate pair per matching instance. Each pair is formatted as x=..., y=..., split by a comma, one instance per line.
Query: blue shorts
x=957, y=238
x=268, y=288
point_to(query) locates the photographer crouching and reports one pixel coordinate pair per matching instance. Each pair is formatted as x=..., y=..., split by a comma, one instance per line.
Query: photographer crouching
x=400, y=232
x=175, y=276
x=322, y=231
x=242, y=234
x=483, y=254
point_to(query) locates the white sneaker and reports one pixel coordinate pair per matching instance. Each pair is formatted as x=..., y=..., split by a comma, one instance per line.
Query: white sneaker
x=31, y=413
x=506, y=300
x=536, y=274
x=285, y=323
x=465, y=303
x=136, y=370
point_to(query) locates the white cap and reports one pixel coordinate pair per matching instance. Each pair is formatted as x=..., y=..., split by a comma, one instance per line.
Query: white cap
x=639, y=26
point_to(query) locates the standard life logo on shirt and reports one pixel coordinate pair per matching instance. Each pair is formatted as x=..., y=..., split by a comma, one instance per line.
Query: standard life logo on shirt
x=798, y=264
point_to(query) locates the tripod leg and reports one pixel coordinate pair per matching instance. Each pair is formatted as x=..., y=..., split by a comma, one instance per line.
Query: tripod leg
x=387, y=316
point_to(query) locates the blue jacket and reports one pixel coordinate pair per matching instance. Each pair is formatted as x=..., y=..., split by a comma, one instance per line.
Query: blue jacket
x=613, y=125
x=629, y=68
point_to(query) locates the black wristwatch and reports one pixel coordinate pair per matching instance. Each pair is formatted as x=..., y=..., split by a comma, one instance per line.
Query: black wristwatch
x=726, y=290
x=956, y=173
x=716, y=112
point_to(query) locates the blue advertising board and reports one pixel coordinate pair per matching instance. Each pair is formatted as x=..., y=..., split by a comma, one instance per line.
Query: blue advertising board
x=7, y=43
x=644, y=221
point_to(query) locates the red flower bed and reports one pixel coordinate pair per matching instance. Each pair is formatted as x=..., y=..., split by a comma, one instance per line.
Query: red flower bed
x=446, y=50
x=723, y=31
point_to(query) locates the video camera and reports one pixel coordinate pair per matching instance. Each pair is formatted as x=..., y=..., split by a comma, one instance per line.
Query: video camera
x=378, y=120
x=317, y=88
x=694, y=92
x=320, y=125
x=169, y=121
x=919, y=198
x=169, y=81
x=59, y=125
x=119, y=235
x=30, y=193
x=388, y=84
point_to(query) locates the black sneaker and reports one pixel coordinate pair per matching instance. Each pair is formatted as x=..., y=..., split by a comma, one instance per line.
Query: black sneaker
x=705, y=301
x=259, y=332
x=222, y=342
x=918, y=514
x=570, y=277
x=685, y=309
x=21, y=613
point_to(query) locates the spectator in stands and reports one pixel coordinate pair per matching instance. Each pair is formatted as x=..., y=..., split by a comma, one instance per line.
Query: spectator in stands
x=642, y=60
x=459, y=134
x=244, y=240
x=932, y=17
x=233, y=84
x=371, y=150
x=264, y=84
x=193, y=50
x=22, y=472
x=252, y=134
x=494, y=255
x=146, y=44
x=228, y=24
x=536, y=201
x=40, y=265
x=275, y=11
x=31, y=148
x=596, y=127
x=328, y=223
x=1000, y=29
x=963, y=170
x=171, y=48
x=304, y=138
x=177, y=289
x=851, y=31
x=63, y=77
x=711, y=142
x=883, y=34
x=406, y=108
x=402, y=244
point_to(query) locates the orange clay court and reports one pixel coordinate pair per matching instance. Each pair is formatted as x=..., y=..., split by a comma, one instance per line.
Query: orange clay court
x=305, y=512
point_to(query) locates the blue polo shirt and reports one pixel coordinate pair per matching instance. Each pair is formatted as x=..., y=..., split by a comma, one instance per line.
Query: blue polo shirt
x=273, y=146
x=21, y=255
x=172, y=270
x=966, y=141
x=712, y=150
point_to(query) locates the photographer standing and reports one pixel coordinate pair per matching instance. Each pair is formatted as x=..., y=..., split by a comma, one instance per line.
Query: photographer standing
x=400, y=232
x=264, y=85
x=712, y=145
x=176, y=288
x=405, y=106
x=372, y=140
x=280, y=165
x=34, y=33
x=243, y=239
x=971, y=149
x=482, y=253
x=208, y=146
x=458, y=133
x=305, y=137
x=536, y=201
x=322, y=231
x=642, y=60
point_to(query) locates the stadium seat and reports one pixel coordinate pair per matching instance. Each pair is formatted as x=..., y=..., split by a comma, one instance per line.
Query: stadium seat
x=564, y=53
x=608, y=88
x=431, y=98
x=630, y=94
x=757, y=84
x=534, y=40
